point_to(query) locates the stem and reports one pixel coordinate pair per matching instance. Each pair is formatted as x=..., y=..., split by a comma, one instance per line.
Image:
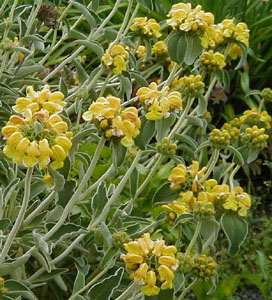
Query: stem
x=110, y=172
x=105, y=84
x=115, y=8
x=20, y=217
x=132, y=17
x=182, y=118
x=117, y=192
x=193, y=240
x=212, y=163
x=124, y=296
x=235, y=170
x=187, y=289
x=261, y=105
x=211, y=85
x=43, y=204
x=224, y=175
x=77, y=193
x=3, y=6
x=130, y=2
x=92, y=282
x=33, y=15
x=171, y=75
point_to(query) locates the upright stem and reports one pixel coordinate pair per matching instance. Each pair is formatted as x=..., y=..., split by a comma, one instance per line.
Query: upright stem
x=261, y=105
x=183, y=294
x=130, y=3
x=77, y=193
x=117, y=192
x=20, y=217
x=128, y=291
x=193, y=240
x=212, y=163
x=171, y=75
x=235, y=170
x=43, y=204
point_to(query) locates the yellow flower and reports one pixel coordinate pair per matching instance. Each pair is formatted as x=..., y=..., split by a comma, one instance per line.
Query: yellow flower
x=140, y=275
x=44, y=99
x=142, y=253
x=212, y=61
x=115, y=58
x=160, y=48
x=150, y=288
x=141, y=52
x=185, y=18
x=146, y=27
x=234, y=51
x=49, y=145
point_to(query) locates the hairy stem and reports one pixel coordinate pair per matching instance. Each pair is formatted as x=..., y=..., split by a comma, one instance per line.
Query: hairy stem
x=20, y=217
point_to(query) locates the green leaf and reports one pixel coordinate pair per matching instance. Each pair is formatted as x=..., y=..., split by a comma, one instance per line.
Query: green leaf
x=209, y=230
x=133, y=182
x=147, y=131
x=67, y=230
x=80, y=71
x=16, y=288
x=196, y=122
x=109, y=256
x=67, y=192
x=173, y=46
x=252, y=155
x=63, y=87
x=182, y=218
x=105, y=288
x=24, y=71
x=92, y=45
x=181, y=49
x=99, y=199
x=19, y=49
x=187, y=140
x=147, y=4
x=244, y=55
x=223, y=77
x=118, y=153
x=188, y=229
x=202, y=146
x=59, y=180
x=163, y=126
x=86, y=13
x=9, y=267
x=4, y=224
x=193, y=50
x=139, y=78
x=164, y=195
x=125, y=85
x=202, y=105
x=48, y=276
x=37, y=188
x=178, y=282
x=235, y=229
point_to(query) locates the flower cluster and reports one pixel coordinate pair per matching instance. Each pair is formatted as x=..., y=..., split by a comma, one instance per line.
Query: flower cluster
x=36, y=101
x=185, y=18
x=219, y=139
x=204, y=267
x=212, y=61
x=237, y=200
x=255, y=138
x=226, y=32
x=160, y=49
x=158, y=104
x=184, y=178
x=152, y=262
x=115, y=59
x=108, y=116
x=38, y=138
x=166, y=148
x=119, y=238
x=192, y=86
x=141, y=52
x=149, y=28
x=253, y=117
x=203, y=201
x=267, y=94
